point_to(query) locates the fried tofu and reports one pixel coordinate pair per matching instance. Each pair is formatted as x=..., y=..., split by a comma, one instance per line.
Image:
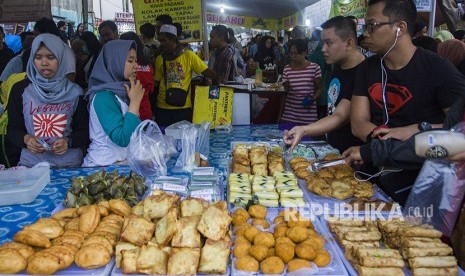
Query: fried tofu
x=152, y=260
x=187, y=234
x=214, y=257
x=184, y=261
x=215, y=221
x=166, y=227
x=129, y=260
x=157, y=206
x=193, y=207
x=138, y=230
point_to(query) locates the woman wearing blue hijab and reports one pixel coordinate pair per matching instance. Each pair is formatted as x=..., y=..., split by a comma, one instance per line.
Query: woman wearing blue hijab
x=114, y=101
x=47, y=115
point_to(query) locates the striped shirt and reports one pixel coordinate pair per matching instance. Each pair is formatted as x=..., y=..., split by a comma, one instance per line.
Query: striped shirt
x=301, y=85
x=224, y=64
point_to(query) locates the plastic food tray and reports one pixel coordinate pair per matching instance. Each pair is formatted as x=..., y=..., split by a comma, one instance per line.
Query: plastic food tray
x=335, y=267
x=23, y=185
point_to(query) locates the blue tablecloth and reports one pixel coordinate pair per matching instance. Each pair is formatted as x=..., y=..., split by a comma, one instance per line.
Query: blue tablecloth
x=14, y=217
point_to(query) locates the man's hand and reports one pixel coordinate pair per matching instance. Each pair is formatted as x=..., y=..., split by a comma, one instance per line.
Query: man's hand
x=400, y=133
x=352, y=155
x=293, y=137
x=32, y=145
x=60, y=146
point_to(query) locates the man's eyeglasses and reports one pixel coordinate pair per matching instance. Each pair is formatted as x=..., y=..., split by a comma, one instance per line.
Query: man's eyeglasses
x=370, y=27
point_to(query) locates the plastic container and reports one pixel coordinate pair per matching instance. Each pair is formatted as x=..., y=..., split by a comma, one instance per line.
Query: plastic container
x=23, y=185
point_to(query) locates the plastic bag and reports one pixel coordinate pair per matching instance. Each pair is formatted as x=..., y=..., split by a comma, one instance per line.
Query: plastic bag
x=186, y=159
x=437, y=195
x=202, y=144
x=147, y=150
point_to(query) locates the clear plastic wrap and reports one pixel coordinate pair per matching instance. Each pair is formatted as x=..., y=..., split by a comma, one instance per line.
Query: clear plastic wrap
x=202, y=145
x=186, y=159
x=147, y=150
x=437, y=195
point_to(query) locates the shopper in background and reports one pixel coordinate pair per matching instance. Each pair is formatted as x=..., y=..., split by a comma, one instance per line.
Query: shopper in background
x=6, y=54
x=144, y=74
x=254, y=47
x=48, y=118
x=173, y=70
x=303, y=82
x=92, y=48
x=15, y=65
x=62, y=27
x=224, y=57
x=147, y=35
x=114, y=102
x=79, y=31
x=108, y=31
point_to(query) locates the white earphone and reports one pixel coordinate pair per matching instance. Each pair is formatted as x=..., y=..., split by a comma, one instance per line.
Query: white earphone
x=398, y=32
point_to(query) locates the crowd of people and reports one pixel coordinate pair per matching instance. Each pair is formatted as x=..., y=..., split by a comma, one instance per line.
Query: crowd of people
x=74, y=102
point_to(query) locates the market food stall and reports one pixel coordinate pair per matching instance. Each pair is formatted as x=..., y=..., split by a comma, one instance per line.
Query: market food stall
x=266, y=237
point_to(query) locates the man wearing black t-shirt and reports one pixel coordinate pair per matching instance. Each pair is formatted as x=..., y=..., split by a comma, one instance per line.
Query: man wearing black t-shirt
x=340, y=49
x=398, y=90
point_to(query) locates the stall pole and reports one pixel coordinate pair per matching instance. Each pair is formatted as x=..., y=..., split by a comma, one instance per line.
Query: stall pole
x=206, y=51
x=432, y=18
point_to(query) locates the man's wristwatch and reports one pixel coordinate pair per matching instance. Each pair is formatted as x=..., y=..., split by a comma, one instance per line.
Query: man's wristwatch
x=424, y=126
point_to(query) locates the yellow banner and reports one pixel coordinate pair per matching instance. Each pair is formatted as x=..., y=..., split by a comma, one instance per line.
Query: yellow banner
x=290, y=21
x=213, y=104
x=242, y=21
x=356, y=8
x=186, y=12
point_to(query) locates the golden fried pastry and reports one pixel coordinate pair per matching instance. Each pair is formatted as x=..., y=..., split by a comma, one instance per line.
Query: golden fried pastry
x=43, y=263
x=23, y=249
x=343, y=171
x=11, y=261
x=241, y=160
x=298, y=220
x=280, y=232
x=332, y=156
x=89, y=219
x=241, y=250
x=260, y=223
x=276, y=166
x=251, y=232
x=240, y=230
x=167, y=227
x=271, y=252
x=64, y=252
x=119, y=207
x=241, y=212
x=215, y=221
x=99, y=240
x=279, y=219
x=157, y=206
x=297, y=234
x=32, y=238
x=258, y=157
x=118, y=251
x=238, y=219
x=187, y=234
x=258, y=251
x=193, y=207
x=92, y=256
x=300, y=165
x=65, y=213
x=184, y=261
x=285, y=251
x=272, y=265
x=247, y=263
x=342, y=194
x=73, y=224
x=316, y=242
x=241, y=239
x=129, y=260
x=138, y=209
x=75, y=241
x=214, y=257
x=281, y=240
x=305, y=251
x=303, y=173
x=324, y=173
x=297, y=264
x=363, y=189
x=138, y=231
x=239, y=168
x=323, y=258
x=152, y=260
x=241, y=150
x=296, y=159
x=264, y=238
x=257, y=211
x=260, y=169
x=75, y=233
x=109, y=236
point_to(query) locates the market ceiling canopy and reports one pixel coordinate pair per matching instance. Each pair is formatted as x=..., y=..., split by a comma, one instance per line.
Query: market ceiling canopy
x=259, y=8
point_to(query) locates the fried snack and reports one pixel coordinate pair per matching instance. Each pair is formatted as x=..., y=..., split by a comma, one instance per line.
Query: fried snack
x=285, y=251
x=43, y=263
x=129, y=260
x=157, y=206
x=297, y=264
x=11, y=261
x=377, y=252
x=138, y=209
x=75, y=241
x=32, y=238
x=241, y=212
x=418, y=231
x=258, y=157
x=167, y=227
x=76, y=233
x=109, y=236
x=184, y=261
x=193, y=207
x=23, y=249
x=238, y=219
x=241, y=150
x=247, y=263
x=297, y=220
x=275, y=167
x=305, y=251
x=280, y=231
x=258, y=251
x=271, y=252
x=272, y=265
x=241, y=250
x=297, y=234
x=92, y=256
x=434, y=271
x=215, y=221
x=378, y=261
x=214, y=257
x=152, y=260
x=251, y=232
x=120, y=207
x=376, y=271
x=65, y=213
x=424, y=252
x=296, y=160
x=259, y=169
x=364, y=190
x=118, y=251
x=241, y=239
x=323, y=258
x=316, y=242
x=434, y=261
x=73, y=224
x=187, y=234
x=260, y=222
x=239, y=168
x=257, y=211
x=89, y=219
x=299, y=165
x=240, y=230
x=99, y=240
x=64, y=252
x=241, y=160
x=264, y=238
x=138, y=231
x=365, y=236
x=303, y=173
